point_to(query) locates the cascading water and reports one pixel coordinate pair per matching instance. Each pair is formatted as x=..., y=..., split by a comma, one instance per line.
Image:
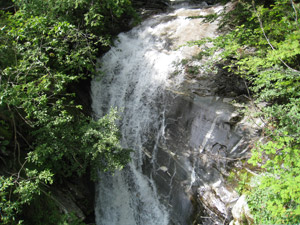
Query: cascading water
x=137, y=72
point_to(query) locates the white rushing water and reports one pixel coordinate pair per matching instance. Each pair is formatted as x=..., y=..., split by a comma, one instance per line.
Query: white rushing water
x=137, y=72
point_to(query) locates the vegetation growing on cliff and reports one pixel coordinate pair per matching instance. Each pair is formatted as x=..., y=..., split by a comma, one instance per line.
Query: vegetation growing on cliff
x=263, y=47
x=46, y=47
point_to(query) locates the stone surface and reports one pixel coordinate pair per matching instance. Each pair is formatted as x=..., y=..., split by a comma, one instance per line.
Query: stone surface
x=76, y=196
x=204, y=136
x=203, y=132
x=241, y=212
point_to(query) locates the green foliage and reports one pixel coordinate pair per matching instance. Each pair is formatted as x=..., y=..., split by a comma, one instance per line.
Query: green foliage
x=44, y=210
x=238, y=16
x=276, y=199
x=263, y=47
x=101, y=18
x=45, y=48
x=69, y=219
x=239, y=179
x=279, y=189
x=207, y=19
x=16, y=192
x=193, y=70
x=67, y=148
x=48, y=56
x=201, y=54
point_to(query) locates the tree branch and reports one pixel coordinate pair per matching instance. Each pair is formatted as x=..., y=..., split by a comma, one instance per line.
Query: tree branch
x=296, y=15
x=268, y=40
x=9, y=7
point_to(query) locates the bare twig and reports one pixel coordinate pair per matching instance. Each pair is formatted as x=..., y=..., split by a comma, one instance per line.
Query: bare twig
x=250, y=171
x=254, y=105
x=26, y=121
x=15, y=131
x=25, y=140
x=17, y=145
x=58, y=202
x=296, y=14
x=3, y=160
x=19, y=153
x=9, y=7
x=20, y=170
x=77, y=161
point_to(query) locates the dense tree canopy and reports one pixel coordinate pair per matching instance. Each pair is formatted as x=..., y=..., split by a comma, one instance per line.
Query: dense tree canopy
x=46, y=47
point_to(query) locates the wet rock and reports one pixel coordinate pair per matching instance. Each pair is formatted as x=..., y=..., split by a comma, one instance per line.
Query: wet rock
x=76, y=196
x=218, y=201
x=67, y=204
x=190, y=151
x=218, y=83
x=241, y=212
x=205, y=136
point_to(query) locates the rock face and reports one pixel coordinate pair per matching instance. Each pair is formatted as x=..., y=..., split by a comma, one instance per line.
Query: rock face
x=185, y=129
x=241, y=212
x=205, y=136
x=76, y=196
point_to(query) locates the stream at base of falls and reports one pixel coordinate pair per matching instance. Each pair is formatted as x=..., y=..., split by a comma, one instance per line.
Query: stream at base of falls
x=137, y=73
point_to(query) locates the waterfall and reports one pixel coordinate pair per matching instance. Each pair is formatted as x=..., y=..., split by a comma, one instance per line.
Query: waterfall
x=133, y=77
